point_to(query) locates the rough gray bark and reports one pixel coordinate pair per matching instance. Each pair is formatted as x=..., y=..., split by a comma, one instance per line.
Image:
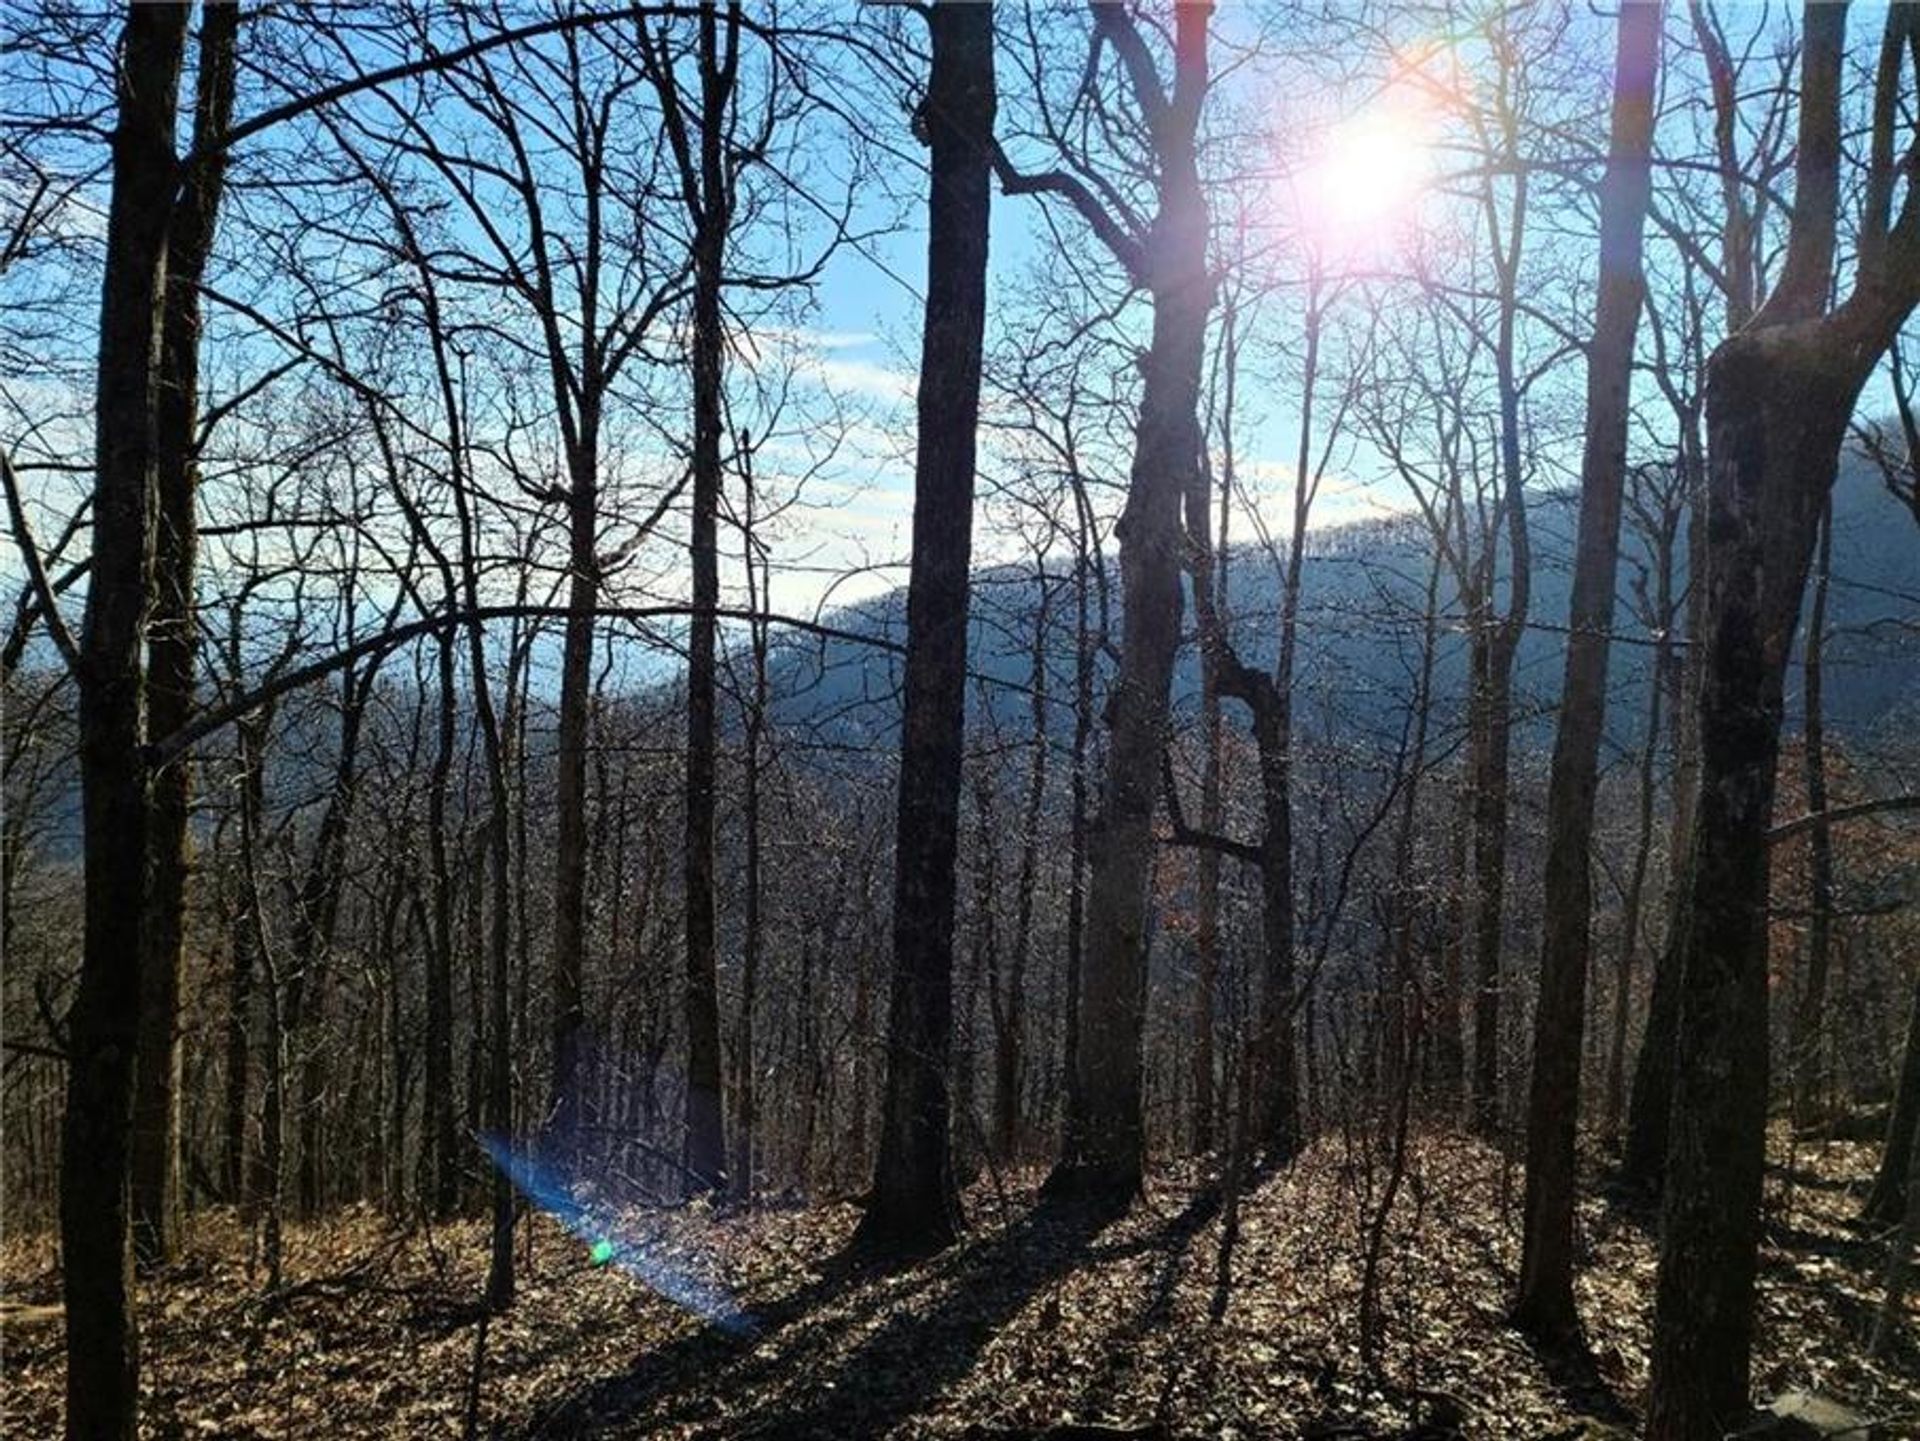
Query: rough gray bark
x=1544, y=1307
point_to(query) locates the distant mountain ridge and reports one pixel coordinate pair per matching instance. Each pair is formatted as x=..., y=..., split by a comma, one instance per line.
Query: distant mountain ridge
x=1363, y=595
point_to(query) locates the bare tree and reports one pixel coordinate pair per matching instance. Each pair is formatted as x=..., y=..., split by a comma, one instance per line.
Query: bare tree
x=103, y=1357
x=171, y=649
x=1545, y=1304
x=1104, y=1152
x=914, y=1206
x=1780, y=394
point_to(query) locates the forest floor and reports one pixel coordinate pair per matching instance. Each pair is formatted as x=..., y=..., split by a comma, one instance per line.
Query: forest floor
x=1031, y=1327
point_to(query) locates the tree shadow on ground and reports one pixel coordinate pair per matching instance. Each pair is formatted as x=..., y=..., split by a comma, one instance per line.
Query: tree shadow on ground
x=796, y=1375
x=1859, y=1252
x=1575, y=1373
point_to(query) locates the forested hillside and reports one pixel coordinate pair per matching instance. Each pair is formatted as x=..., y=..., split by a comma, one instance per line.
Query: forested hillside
x=1090, y=718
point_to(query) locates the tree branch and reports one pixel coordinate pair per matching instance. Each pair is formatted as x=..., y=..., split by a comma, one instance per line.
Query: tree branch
x=36, y=571
x=1834, y=815
x=1126, y=247
x=1185, y=835
x=168, y=748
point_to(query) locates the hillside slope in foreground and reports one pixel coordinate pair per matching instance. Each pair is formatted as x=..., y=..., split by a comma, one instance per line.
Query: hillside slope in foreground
x=1034, y=1326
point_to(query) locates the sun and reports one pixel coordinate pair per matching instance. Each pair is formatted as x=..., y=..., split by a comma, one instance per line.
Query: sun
x=1365, y=181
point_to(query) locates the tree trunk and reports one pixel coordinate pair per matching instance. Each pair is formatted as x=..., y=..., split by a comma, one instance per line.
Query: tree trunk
x=562, y=1137
x=706, y=1152
x=240, y=980
x=1886, y=1324
x=1644, y=1155
x=1104, y=1155
x=1633, y=908
x=171, y=650
x=915, y=1208
x=1212, y=572
x=1780, y=394
x=1495, y=643
x=1010, y=1008
x=103, y=1024
x=440, y=1151
x=1887, y=1200
x=1807, y=1043
x=753, y=921
x=1276, y=1100
x=1778, y=403
x=1083, y=722
x=1545, y=1307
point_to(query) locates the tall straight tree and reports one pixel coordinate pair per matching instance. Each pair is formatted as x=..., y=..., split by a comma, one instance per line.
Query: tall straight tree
x=96, y=1251
x=703, y=156
x=1496, y=631
x=1780, y=394
x=914, y=1207
x=171, y=646
x=1545, y=1305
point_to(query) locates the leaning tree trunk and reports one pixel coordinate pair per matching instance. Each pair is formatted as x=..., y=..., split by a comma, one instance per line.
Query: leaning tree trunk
x=915, y=1208
x=1545, y=1306
x=103, y=1025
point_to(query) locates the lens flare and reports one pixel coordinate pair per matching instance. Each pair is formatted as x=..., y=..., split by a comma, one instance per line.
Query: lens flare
x=613, y=1240
x=1364, y=186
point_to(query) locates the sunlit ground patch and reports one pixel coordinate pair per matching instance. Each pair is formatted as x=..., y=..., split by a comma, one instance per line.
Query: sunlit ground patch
x=617, y=1239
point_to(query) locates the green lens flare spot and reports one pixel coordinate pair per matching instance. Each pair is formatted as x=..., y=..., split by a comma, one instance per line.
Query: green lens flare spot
x=602, y=1252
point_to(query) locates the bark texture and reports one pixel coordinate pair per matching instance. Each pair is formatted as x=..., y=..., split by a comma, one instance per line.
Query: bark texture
x=1545, y=1306
x=1780, y=394
x=103, y=1025
x=914, y=1206
x=171, y=648
x=1104, y=1153
x=708, y=200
